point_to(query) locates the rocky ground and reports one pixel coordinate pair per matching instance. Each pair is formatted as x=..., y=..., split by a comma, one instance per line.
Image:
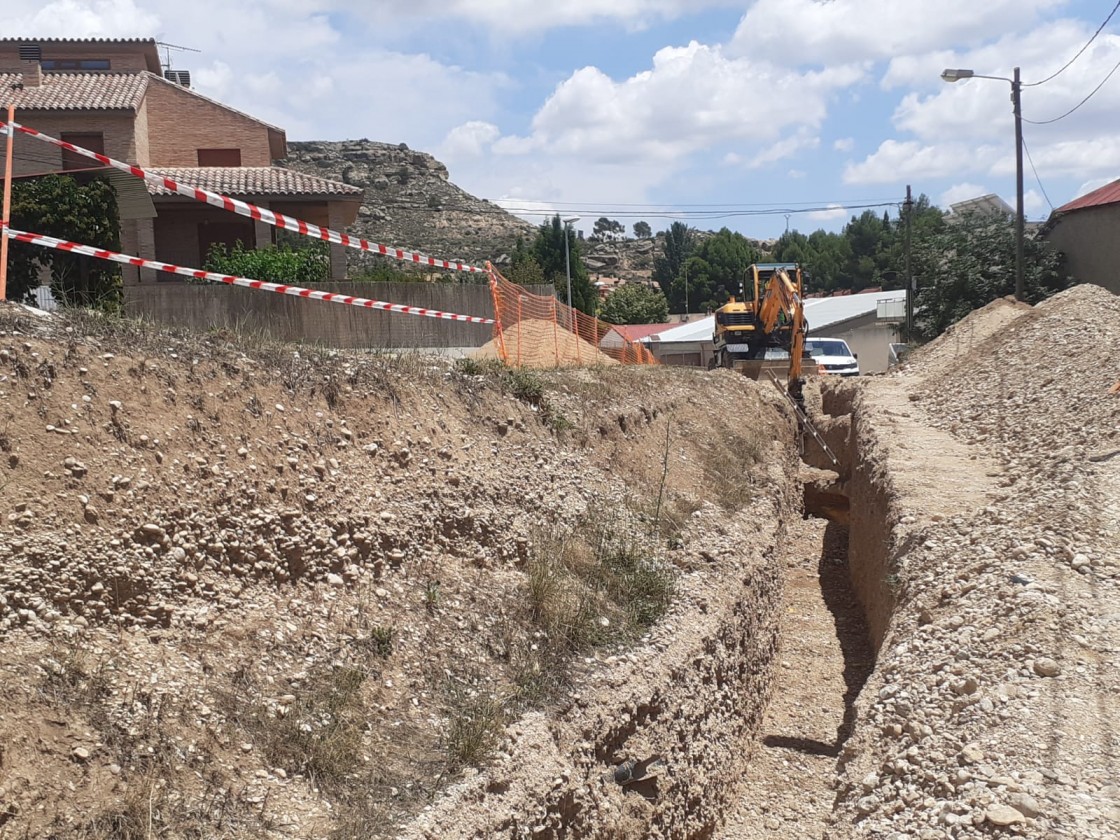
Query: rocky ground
x=992, y=710
x=410, y=201
x=256, y=590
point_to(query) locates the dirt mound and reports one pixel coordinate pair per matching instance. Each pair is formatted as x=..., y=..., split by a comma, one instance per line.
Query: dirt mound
x=993, y=477
x=259, y=590
x=543, y=344
x=959, y=344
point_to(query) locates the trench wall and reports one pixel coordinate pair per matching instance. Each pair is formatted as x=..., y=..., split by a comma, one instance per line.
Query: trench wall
x=694, y=695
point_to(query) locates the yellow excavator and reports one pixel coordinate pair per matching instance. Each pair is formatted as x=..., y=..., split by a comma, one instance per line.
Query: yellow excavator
x=765, y=332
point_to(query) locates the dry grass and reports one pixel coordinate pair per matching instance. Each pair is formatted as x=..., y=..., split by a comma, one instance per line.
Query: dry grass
x=730, y=469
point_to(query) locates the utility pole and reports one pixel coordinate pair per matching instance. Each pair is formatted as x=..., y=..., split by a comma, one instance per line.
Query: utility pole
x=5, y=220
x=1017, y=104
x=911, y=289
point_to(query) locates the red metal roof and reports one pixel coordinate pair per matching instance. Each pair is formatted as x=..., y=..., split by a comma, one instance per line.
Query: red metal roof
x=1108, y=194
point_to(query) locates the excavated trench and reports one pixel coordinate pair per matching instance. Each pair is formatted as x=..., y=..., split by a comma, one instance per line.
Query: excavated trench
x=745, y=713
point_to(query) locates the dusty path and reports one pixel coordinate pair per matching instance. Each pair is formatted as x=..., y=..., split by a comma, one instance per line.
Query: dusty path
x=824, y=661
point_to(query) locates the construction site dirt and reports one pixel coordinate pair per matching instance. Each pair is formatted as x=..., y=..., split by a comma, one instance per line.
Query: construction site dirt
x=263, y=590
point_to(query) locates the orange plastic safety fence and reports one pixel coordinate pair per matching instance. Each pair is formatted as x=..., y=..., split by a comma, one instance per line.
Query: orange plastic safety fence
x=538, y=331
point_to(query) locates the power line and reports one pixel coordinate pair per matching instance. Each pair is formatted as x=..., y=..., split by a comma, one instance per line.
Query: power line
x=1063, y=68
x=1036, y=178
x=1079, y=104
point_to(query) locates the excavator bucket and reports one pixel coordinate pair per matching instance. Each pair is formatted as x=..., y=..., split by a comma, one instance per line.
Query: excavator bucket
x=757, y=369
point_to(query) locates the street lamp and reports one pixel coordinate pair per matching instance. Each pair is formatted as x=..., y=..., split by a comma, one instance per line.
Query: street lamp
x=951, y=75
x=568, y=261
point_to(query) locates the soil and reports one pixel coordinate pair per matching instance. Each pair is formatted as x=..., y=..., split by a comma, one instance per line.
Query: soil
x=543, y=344
x=263, y=591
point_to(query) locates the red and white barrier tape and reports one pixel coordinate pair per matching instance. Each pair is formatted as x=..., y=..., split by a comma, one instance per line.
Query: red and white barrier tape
x=252, y=211
x=295, y=291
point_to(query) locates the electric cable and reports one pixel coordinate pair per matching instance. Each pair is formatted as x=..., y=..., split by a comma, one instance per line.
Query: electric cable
x=1079, y=104
x=1036, y=178
x=1063, y=68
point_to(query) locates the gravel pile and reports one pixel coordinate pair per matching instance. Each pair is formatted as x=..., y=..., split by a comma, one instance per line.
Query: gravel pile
x=993, y=709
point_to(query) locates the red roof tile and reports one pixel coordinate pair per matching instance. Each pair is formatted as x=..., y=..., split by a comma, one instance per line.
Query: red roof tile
x=252, y=181
x=1108, y=194
x=79, y=91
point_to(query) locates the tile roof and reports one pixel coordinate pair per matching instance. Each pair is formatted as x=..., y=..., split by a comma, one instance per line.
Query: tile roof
x=1108, y=194
x=79, y=91
x=252, y=180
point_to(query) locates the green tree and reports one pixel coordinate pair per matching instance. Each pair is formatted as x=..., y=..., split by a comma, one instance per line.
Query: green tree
x=548, y=249
x=634, y=303
x=523, y=267
x=716, y=271
x=58, y=206
x=642, y=230
x=281, y=263
x=968, y=263
x=608, y=228
x=679, y=241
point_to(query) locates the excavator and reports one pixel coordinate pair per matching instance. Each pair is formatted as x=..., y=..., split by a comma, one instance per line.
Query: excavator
x=765, y=333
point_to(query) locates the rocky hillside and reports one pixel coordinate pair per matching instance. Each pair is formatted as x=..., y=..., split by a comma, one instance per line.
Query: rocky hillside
x=410, y=201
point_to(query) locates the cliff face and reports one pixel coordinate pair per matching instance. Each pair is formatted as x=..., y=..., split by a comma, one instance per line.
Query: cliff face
x=409, y=201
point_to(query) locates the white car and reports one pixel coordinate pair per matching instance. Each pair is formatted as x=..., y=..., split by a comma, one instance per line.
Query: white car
x=833, y=355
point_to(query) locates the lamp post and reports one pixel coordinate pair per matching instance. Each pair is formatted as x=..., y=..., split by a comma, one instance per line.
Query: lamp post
x=568, y=263
x=951, y=75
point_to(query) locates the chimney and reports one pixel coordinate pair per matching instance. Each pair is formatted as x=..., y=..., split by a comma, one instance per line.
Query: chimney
x=29, y=58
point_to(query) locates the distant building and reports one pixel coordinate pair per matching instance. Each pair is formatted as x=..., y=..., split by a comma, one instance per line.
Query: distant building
x=1087, y=231
x=987, y=205
x=869, y=322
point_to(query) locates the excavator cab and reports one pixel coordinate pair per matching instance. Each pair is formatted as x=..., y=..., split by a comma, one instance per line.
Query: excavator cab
x=760, y=333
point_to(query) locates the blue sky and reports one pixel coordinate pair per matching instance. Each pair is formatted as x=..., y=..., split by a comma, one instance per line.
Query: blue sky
x=649, y=108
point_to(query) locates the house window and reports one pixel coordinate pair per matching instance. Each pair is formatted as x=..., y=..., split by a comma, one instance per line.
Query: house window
x=219, y=157
x=63, y=64
x=95, y=142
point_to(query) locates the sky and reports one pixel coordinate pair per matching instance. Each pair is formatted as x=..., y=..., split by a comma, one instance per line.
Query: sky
x=750, y=114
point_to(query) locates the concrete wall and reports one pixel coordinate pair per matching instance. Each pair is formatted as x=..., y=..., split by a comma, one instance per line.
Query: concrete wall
x=1090, y=239
x=869, y=339
x=207, y=307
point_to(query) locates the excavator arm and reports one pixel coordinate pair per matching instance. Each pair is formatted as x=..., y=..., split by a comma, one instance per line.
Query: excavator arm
x=781, y=298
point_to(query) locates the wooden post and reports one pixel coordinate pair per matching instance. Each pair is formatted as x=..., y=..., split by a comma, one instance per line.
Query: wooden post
x=502, y=354
x=574, y=315
x=520, y=300
x=555, y=334
x=5, y=219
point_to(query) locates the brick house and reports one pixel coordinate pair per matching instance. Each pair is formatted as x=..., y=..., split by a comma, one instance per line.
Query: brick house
x=112, y=96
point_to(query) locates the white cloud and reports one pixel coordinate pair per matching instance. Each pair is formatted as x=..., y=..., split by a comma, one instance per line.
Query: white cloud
x=869, y=30
x=1090, y=185
x=785, y=148
x=844, y=144
x=834, y=212
x=469, y=140
x=693, y=98
x=523, y=16
x=961, y=192
x=78, y=19
x=896, y=161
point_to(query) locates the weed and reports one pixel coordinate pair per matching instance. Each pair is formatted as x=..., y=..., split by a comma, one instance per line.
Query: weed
x=381, y=640
x=473, y=727
x=730, y=469
x=321, y=734
x=431, y=595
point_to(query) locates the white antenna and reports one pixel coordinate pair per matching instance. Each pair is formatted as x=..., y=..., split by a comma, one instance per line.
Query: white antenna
x=167, y=48
x=179, y=77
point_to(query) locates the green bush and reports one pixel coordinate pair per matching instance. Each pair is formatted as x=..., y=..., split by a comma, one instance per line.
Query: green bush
x=281, y=263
